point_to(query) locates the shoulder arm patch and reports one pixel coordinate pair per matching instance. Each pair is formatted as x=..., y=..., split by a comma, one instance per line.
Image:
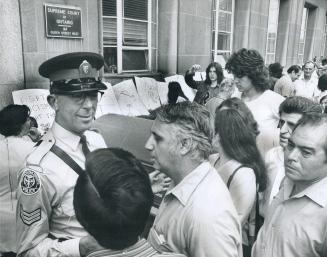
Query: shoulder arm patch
x=30, y=182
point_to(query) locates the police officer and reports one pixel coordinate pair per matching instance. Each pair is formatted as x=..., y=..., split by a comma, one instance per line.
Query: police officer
x=46, y=222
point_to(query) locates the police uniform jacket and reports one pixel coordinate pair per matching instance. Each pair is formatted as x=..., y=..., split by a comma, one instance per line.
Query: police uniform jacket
x=46, y=222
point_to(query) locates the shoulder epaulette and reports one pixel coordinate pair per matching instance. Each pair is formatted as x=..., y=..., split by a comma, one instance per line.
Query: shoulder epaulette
x=40, y=150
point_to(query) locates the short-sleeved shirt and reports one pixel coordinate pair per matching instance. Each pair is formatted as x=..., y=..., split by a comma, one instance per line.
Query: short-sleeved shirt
x=197, y=218
x=295, y=226
x=13, y=151
x=307, y=88
x=46, y=221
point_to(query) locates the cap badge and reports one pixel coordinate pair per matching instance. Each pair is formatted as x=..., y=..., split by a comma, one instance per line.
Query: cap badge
x=85, y=68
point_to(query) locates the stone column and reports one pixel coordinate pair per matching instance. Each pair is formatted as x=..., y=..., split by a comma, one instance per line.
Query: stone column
x=167, y=36
x=289, y=27
x=11, y=61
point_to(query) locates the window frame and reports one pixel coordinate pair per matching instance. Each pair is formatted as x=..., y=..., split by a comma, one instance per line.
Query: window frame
x=300, y=56
x=120, y=30
x=273, y=53
x=215, y=29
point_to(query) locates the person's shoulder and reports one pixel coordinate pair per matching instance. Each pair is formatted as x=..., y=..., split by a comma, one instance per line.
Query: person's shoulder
x=41, y=149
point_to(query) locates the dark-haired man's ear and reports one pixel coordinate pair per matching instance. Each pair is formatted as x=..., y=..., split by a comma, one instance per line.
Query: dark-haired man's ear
x=186, y=145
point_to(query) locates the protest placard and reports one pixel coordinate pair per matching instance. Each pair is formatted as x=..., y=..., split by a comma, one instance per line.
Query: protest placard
x=147, y=89
x=128, y=99
x=108, y=102
x=36, y=100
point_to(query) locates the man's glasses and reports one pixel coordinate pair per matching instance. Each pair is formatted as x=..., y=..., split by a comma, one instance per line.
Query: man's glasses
x=80, y=97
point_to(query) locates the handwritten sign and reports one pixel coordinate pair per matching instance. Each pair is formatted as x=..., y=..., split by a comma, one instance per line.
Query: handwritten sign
x=108, y=103
x=128, y=99
x=36, y=100
x=147, y=89
x=63, y=21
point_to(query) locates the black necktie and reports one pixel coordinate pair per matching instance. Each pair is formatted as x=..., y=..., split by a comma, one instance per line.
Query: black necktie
x=85, y=148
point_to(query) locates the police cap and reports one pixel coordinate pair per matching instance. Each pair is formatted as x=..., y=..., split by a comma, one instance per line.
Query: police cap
x=73, y=72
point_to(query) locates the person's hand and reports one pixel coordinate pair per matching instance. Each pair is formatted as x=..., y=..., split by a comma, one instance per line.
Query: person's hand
x=159, y=182
x=88, y=245
x=195, y=68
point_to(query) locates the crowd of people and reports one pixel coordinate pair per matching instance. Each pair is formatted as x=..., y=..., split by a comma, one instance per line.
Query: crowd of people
x=244, y=167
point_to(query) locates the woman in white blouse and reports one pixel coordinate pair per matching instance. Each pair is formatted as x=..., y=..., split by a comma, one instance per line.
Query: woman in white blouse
x=240, y=166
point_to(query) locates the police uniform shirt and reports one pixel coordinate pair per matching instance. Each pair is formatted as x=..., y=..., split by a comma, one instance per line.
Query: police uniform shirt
x=46, y=222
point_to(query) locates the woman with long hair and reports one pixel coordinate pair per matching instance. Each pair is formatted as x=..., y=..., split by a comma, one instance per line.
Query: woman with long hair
x=241, y=167
x=208, y=88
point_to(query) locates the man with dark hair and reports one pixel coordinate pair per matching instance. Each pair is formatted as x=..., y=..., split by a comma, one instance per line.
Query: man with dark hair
x=296, y=221
x=46, y=222
x=284, y=86
x=290, y=110
x=197, y=216
x=307, y=86
x=112, y=201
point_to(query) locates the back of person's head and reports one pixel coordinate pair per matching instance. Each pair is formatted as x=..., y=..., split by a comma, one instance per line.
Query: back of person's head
x=174, y=91
x=295, y=68
x=239, y=143
x=113, y=198
x=219, y=72
x=249, y=62
x=245, y=112
x=275, y=70
x=190, y=120
x=299, y=104
x=12, y=119
x=322, y=82
x=34, y=123
x=324, y=61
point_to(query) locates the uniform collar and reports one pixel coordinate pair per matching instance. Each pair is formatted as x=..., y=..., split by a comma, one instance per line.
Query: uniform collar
x=188, y=185
x=317, y=192
x=66, y=137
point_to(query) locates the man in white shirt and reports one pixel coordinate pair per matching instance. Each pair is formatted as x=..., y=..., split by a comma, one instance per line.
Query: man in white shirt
x=197, y=216
x=290, y=110
x=307, y=86
x=46, y=221
x=296, y=221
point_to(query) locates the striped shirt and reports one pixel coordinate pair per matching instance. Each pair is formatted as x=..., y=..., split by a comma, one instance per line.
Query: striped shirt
x=141, y=249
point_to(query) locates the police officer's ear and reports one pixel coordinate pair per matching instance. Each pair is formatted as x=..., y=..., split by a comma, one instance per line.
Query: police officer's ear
x=53, y=102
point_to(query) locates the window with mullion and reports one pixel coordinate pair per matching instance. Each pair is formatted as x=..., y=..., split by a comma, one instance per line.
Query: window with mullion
x=129, y=35
x=222, y=28
x=272, y=31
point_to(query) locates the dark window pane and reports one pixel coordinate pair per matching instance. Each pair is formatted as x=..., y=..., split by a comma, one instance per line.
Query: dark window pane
x=109, y=31
x=135, y=33
x=223, y=41
x=109, y=7
x=135, y=59
x=110, y=59
x=136, y=9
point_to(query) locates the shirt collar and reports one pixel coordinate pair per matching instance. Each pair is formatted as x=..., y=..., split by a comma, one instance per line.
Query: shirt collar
x=317, y=192
x=66, y=137
x=183, y=190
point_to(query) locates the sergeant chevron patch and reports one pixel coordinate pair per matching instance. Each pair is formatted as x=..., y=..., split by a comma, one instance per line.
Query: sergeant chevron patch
x=29, y=218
